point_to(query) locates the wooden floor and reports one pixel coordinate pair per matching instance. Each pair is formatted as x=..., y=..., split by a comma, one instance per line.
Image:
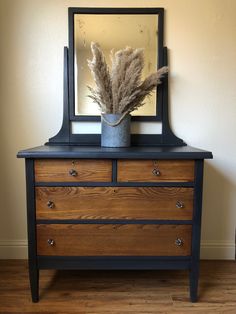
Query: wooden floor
x=118, y=291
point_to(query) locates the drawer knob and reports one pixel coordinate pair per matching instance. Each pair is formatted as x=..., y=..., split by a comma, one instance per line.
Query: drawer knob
x=179, y=242
x=179, y=204
x=73, y=173
x=50, y=204
x=51, y=242
x=156, y=172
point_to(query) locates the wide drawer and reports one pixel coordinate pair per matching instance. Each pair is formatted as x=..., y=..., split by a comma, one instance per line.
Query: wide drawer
x=114, y=203
x=113, y=240
x=155, y=170
x=76, y=170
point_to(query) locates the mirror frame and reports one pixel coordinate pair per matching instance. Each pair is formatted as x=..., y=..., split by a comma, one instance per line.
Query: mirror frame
x=65, y=136
x=160, y=25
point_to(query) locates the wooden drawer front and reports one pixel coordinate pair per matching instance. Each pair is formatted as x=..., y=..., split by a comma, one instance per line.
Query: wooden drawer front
x=155, y=170
x=78, y=170
x=114, y=203
x=108, y=239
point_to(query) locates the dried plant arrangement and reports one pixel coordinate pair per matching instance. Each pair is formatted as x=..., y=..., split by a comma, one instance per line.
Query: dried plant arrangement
x=120, y=90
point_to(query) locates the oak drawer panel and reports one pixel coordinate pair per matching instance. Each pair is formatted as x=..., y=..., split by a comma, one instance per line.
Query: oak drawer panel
x=155, y=170
x=114, y=203
x=76, y=170
x=113, y=240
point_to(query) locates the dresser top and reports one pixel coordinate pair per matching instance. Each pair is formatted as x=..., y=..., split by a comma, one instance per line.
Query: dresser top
x=158, y=152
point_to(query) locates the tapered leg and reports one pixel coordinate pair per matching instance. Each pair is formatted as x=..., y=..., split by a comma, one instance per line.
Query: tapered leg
x=32, y=243
x=193, y=278
x=196, y=231
x=34, y=283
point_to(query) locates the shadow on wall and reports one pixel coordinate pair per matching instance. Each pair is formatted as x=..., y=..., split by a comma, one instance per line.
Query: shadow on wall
x=218, y=221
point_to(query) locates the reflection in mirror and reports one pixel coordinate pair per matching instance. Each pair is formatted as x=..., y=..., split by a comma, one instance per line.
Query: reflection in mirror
x=112, y=32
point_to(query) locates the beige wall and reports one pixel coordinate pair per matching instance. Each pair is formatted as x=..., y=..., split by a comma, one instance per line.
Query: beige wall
x=202, y=47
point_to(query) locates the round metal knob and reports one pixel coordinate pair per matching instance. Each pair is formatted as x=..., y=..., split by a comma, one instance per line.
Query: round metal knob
x=179, y=242
x=73, y=173
x=50, y=204
x=156, y=172
x=179, y=204
x=51, y=242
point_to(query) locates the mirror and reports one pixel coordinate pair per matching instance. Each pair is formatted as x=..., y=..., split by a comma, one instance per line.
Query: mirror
x=112, y=29
x=114, y=32
x=80, y=124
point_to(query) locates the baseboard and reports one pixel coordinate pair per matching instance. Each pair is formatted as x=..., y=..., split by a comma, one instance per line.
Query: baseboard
x=13, y=249
x=17, y=249
x=217, y=250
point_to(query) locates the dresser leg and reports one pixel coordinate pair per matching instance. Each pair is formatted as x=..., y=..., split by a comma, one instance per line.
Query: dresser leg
x=34, y=283
x=196, y=231
x=32, y=246
x=193, y=277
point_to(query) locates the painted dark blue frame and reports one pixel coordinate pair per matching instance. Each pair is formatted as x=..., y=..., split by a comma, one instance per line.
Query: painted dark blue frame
x=96, y=152
x=114, y=263
x=191, y=263
x=152, y=11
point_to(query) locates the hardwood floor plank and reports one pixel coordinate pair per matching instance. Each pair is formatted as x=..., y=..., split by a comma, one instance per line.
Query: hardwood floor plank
x=108, y=292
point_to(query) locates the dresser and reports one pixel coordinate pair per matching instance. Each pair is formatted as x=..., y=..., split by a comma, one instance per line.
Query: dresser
x=91, y=207
x=114, y=208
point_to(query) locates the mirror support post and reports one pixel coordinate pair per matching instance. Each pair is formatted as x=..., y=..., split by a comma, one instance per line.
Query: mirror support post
x=63, y=136
x=168, y=136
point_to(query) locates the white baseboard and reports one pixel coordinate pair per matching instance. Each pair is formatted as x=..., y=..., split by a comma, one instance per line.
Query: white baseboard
x=217, y=250
x=17, y=249
x=13, y=249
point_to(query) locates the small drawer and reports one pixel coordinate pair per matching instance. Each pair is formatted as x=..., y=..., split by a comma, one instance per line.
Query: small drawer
x=155, y=170
x=76, y=170
x=114, y=240
x=169, y=203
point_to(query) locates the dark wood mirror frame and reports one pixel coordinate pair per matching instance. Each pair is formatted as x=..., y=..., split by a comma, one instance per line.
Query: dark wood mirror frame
x=65, y=135
x=159, y=12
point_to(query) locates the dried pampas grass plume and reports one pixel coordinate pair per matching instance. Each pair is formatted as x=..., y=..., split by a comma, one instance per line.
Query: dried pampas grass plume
x=100, y=71
x=121, y=90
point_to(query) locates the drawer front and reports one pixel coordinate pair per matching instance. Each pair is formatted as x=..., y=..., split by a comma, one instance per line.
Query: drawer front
x=114, y=240
x=155, y=170
x=174, y=203
x=78, y=170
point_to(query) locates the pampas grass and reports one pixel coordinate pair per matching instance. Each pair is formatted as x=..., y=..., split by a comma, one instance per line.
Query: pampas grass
x=100, y=71
x=121, y=89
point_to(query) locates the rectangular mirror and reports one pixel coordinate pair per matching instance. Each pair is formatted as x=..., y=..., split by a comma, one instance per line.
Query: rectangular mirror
x=113, y=29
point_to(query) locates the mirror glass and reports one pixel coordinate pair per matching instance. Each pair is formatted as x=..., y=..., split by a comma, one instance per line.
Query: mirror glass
x=112, y=31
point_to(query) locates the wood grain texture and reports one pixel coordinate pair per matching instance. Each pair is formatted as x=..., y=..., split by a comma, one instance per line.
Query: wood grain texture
x=116, y=292
x=57, y=170
x=114, y=203
x=142, y=170
x=114, y=240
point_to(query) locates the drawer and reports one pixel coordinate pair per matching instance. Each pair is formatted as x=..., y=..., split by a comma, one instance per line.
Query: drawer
x=76, y=170
x=155, y=170
x=113, y=240
x=114, y=203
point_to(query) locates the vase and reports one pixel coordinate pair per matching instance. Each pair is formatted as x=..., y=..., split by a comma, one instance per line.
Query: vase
x=115, y=135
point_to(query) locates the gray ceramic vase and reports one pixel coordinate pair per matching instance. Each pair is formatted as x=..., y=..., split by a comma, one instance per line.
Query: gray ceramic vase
x=115, y=136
